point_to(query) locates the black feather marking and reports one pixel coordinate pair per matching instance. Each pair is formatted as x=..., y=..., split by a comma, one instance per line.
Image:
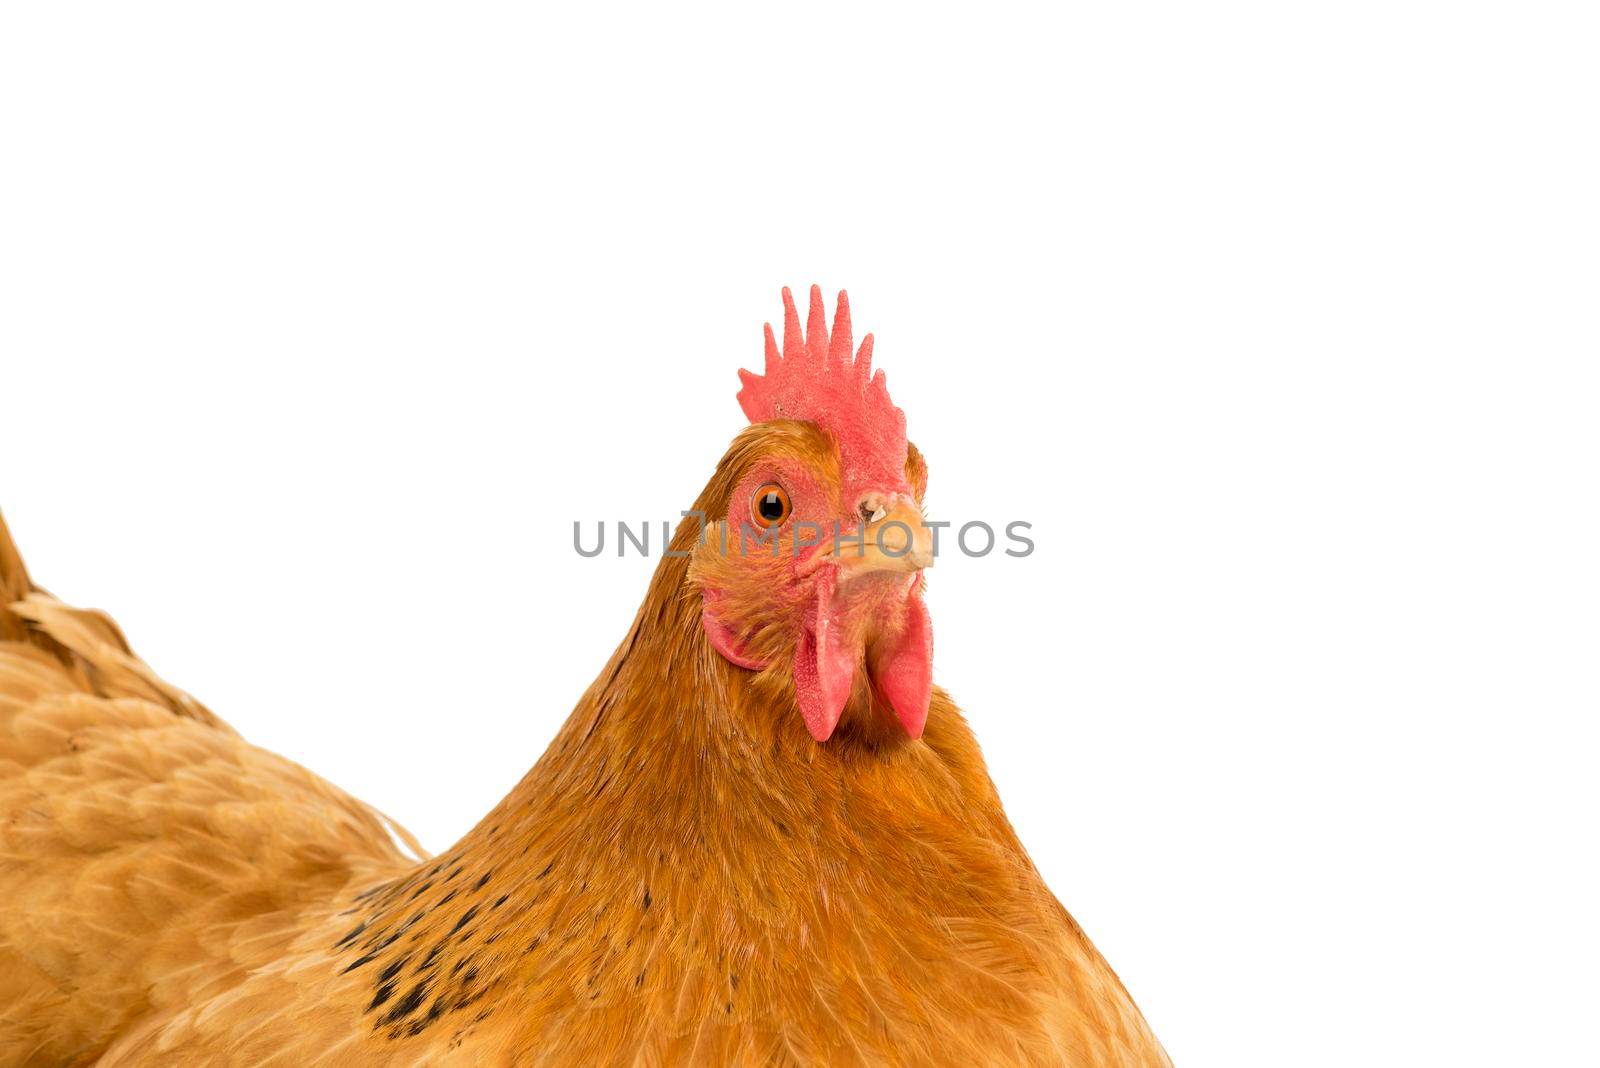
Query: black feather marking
x=351, y=937
x=466, y=918
x=358, y=962
x=407, y=1005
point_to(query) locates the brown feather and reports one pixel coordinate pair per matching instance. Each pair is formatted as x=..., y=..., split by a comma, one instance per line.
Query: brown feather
x=685, y=877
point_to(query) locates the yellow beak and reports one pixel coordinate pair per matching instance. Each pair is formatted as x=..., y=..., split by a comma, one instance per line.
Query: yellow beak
x=898, y=540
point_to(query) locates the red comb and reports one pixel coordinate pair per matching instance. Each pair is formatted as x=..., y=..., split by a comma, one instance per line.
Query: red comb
x=816, y=380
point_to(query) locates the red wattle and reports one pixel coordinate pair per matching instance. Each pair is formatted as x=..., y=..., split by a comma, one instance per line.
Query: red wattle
x=902, y=667
x=824, y=667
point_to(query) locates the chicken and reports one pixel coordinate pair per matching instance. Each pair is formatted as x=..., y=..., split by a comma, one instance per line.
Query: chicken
x=762, y=837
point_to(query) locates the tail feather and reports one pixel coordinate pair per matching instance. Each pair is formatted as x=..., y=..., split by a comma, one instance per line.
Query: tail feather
x=90, y=645
x=14, y=586
x=88, y=642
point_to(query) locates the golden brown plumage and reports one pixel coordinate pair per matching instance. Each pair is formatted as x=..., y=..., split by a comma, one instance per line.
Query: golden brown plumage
x=685, y=877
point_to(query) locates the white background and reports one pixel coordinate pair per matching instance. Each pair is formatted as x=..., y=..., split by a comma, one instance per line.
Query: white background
x=321, y=323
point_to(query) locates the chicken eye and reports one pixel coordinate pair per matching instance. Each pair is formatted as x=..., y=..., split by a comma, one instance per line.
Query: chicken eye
x=770, y=506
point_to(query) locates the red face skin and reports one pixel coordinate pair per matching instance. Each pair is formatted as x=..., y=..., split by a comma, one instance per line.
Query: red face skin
x=840, y=587
x=823, y=607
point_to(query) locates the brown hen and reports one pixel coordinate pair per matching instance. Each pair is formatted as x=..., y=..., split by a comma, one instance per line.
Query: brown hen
x=761, y=838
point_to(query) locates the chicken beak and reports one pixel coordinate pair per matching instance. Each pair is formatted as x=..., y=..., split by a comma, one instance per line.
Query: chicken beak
x=896, y=541
x=884, y=623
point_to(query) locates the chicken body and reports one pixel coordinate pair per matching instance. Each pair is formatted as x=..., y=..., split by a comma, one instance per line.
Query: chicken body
x=762, y=837
x=669, y=885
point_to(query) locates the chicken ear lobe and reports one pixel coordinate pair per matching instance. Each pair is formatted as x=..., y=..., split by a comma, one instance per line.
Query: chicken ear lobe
x=824, y=665
x=725, y=641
